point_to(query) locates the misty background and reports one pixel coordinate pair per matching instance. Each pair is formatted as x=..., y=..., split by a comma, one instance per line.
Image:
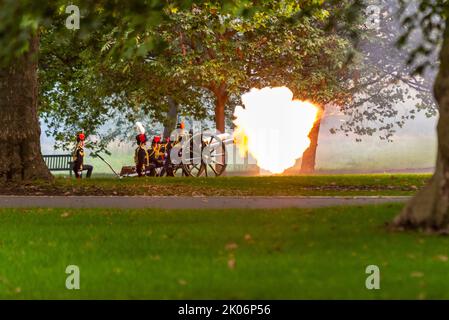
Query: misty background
x=413, y=148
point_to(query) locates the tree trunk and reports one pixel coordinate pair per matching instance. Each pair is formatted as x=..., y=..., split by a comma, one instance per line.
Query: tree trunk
x=429, y=209
x=309, y=156
x=221, y=98
x=20, y=157
x=172, y=118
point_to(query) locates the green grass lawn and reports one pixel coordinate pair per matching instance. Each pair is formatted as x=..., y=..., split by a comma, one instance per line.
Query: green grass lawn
x=231, y=254
x=312, y=185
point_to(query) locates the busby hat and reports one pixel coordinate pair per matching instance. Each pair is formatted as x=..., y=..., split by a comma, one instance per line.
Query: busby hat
x=80, y=137
x=141, y=137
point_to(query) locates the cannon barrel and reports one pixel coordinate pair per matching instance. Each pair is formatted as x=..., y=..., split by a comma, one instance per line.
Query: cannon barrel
x=224, y=138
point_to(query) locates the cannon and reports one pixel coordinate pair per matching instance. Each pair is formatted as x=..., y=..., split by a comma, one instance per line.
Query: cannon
x=194, y=155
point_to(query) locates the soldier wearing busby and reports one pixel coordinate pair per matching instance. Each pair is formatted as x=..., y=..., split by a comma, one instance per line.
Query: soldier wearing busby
x=78, y=158
x=178, y=134
x=141, y=157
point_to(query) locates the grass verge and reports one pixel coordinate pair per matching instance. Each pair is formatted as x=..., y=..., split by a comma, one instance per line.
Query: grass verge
x=217, y=254
x=314, y=185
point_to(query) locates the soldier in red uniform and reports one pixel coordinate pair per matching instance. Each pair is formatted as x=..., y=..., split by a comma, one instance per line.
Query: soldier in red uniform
x=78, y=158
x=141, y=157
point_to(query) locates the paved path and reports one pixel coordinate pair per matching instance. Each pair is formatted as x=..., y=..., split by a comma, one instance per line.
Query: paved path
x=188, y=202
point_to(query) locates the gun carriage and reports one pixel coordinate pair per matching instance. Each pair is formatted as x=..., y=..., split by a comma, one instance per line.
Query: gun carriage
x=194, y=155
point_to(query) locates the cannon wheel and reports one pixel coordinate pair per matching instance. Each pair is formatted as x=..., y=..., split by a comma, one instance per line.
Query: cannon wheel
x=178, y=169
x=213, y=159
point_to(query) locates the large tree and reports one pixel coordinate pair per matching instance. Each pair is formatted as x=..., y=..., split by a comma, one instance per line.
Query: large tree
x=379, y=83
x=21, y=22
x=384, y=79
x=19, y=46
x=429, y=209
x=20, y=158
x=226, y=56
x=97, y=90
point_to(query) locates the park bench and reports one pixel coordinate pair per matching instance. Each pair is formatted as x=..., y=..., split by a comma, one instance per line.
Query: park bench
x=59, y=162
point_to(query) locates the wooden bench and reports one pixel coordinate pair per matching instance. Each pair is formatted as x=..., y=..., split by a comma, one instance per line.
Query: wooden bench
x=59, y=162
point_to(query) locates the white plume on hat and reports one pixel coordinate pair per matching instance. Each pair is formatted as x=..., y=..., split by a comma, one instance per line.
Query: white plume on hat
x=139, y=127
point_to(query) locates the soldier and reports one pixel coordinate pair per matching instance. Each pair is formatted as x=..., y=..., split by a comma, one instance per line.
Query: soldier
x=78, y=158
x=141, y=157
x=168, y=168
x=156, y=150
x=178, y=137
x=179, y=133
x=156, y=155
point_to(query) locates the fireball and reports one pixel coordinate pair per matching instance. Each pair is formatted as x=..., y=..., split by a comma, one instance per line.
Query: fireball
x=273, y=127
